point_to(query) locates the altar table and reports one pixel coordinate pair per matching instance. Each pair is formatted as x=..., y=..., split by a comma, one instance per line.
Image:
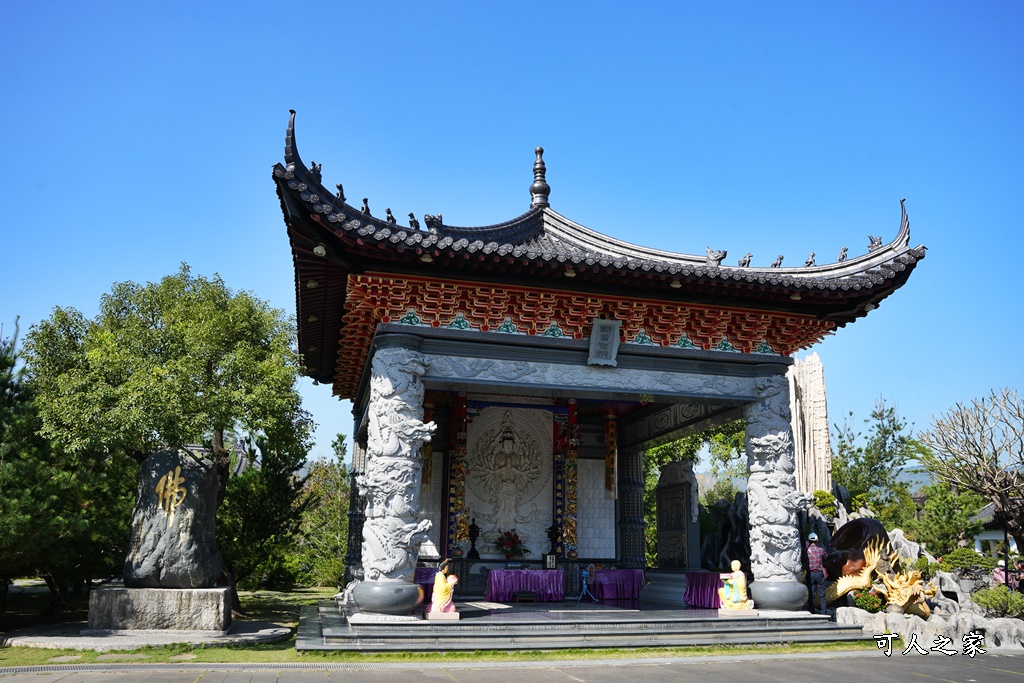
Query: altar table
x=702, y=589
x=503, y=584
x=618, y=584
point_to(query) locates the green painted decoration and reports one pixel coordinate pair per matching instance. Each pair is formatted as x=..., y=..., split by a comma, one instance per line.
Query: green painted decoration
x=410, y=318
x=553, y=330
x=459, y=323
x=684, y=343
x=643, y=338
x=725, y=345
x=508, y=327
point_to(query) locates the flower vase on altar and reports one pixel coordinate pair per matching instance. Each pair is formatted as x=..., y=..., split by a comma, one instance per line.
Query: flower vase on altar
x=511, y=544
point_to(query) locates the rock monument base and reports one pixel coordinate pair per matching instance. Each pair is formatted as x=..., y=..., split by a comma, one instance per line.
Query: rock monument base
x=146, y=609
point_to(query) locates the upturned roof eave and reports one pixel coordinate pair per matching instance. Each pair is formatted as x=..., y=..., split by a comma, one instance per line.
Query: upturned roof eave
x=585, y=245
x=547, y=244
x=544, y=236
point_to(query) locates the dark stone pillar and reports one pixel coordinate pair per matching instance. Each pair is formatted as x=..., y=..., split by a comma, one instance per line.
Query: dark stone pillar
x=356, y=517
x=631, y=508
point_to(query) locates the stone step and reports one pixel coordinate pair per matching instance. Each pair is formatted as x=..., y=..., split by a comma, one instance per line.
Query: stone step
x=326, y=629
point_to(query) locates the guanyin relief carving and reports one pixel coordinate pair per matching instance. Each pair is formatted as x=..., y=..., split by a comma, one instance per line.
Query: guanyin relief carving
x=509, y=478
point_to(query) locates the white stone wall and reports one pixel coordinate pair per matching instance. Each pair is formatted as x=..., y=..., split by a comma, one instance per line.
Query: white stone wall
x=595, y=530
x=431, y=496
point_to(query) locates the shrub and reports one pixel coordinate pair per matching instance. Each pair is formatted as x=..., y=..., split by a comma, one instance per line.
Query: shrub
x=1000, y=601
x=926, y=568
x=868, y=600
x=967, y=562
x=826, y=503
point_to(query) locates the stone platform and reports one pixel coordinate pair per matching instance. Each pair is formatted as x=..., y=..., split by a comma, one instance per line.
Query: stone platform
x=76, y=636
x=147, y=609
x=545, y=626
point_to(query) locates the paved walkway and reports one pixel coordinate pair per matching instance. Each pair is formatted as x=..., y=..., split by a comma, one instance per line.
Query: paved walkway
x=797, y=668
x=70, y=636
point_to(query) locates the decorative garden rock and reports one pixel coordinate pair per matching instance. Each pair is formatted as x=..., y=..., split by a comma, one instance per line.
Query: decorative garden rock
x=998, y=633
x=173, y=542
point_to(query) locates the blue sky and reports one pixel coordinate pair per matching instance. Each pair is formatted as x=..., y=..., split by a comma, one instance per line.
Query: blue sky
x=140, y=135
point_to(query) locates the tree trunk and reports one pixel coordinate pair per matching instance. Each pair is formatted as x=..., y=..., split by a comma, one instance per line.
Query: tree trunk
x=4, y=586
x=57, y=599
x=222, y=461
x=236, y=604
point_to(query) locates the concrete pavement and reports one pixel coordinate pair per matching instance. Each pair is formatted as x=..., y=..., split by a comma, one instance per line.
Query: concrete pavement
x=991, y=667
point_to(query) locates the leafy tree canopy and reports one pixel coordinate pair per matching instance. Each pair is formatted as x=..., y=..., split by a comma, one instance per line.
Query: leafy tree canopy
x=870, y=469
x=260, y=517
x=324, y=529
x=62, y=519
x=946, y=519
x=183, y=360
x=725, y=445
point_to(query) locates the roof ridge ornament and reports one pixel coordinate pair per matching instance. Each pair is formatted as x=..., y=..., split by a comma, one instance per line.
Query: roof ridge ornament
x=291, y=152
x=715, y=257
x=540, y=188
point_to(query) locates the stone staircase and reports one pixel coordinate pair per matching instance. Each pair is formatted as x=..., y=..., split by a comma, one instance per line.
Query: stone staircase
x=563, y=625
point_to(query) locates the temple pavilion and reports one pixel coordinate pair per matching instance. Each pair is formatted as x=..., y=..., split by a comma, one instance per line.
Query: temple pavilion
x=509, y=377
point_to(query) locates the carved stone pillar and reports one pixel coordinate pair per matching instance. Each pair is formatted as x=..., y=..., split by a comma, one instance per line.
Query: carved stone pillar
x=631, y=508
x=772, y=499
x=390, y=484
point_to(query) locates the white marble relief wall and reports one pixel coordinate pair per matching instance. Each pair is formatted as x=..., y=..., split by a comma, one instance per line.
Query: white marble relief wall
x=509, y=482
x=431, y=500
x=595, y=531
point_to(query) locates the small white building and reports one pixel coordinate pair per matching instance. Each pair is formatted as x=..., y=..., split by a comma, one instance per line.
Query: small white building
x=987, y=542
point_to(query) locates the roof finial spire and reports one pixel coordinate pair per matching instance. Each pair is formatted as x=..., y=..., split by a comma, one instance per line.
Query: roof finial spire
x=540, y=189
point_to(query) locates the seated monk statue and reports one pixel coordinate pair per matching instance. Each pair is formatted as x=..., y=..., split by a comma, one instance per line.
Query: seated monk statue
x=444, y=586
x=733, y=594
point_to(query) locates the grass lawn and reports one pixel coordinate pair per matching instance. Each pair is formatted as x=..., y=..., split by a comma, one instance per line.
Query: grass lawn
x=28, y=599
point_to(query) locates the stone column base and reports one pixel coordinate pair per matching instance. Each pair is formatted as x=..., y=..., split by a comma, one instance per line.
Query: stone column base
x=387, y=597
x=784, y=595
x=177, y=609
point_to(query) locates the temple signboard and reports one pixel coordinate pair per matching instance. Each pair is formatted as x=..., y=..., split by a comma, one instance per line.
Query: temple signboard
x=604, y=342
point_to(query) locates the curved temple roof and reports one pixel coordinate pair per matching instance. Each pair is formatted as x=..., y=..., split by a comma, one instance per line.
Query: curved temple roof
x=552, y=251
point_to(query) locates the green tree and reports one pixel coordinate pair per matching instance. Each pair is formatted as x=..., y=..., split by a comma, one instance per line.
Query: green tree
x=19, y=448
x=725, y=444
x=185, y=360
x=727, y=462
x=946, y=518
x=871, y=472
x=62, y=518
x=259, y=519
x=324, y=528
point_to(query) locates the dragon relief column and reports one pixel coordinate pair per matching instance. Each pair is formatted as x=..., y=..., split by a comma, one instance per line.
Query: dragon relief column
x=772, y=499
x=390, y=484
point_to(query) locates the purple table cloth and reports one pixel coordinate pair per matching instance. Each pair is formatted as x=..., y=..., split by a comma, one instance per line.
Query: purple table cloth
x=503, y=584
x=618, y=584
x=702, y=589
x=425, y=577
